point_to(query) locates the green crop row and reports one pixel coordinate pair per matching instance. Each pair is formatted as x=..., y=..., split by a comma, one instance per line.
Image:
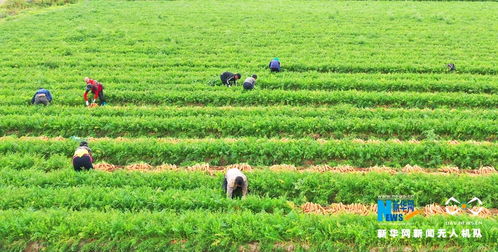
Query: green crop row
x=269, y=151
x=280, y=97
x=248, y=126
x=110, y=59
x=288, y=80
x=108, y=62
x=323, y=188
x=386, y=69
x=79, y=88
x=332, y=112
x=135, y=199
x=26, y=90
x=66, y=58
x=205, y=231
x=414, y=85
x=21, y=161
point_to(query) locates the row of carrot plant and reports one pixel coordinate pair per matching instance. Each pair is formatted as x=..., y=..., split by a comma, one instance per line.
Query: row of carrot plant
x=224, y=97
x=134, y=199
x=269, y=151
x=88, y=230
x=145, y=188
x=176, y=79
x=326, y=112
x=249, y=126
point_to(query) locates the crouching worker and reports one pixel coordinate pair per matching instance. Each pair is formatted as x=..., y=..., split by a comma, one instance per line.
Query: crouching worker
x=274, y=65
x=235, y=183
x=250, y=82
x=229, y=79
x=82, y=158
x=97, y=90
x=451, y=67
x=42, y=96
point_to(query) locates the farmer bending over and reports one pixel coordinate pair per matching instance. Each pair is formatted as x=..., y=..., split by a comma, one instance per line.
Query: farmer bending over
x=250, y=82
x=274, y=65
x=42, y=96
x=229, y=79
x=97, y=90
x=451, y=67
x=235, y=181
x=82, y=158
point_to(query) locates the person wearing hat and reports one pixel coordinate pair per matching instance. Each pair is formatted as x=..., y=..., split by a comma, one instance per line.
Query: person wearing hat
x=97, y=90
x=82, y=158
x=229, y=79
x=42, y=96
x=235, y=181
x=274, y=65
x=250, y=82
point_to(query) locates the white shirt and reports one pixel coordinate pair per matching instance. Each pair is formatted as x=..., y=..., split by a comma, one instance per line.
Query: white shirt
x=250, y=80
x=230, y=176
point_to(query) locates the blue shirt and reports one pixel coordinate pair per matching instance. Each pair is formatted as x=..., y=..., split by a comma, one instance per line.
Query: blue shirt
x=274, y=64
x=42, y=91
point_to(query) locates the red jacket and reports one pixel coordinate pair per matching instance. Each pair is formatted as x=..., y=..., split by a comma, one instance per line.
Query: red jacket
x=96, y=89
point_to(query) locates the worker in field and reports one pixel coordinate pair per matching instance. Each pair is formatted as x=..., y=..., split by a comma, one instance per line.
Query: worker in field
x=229, y=79
x=82, y=158
x=250, y=82
x=235, y=183
x=42, y=96
x=97, y=90
x=274, y=65
x=451, y=67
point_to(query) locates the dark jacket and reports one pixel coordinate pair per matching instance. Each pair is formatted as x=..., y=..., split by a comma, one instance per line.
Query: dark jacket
x=42, y=91
x=228, y=78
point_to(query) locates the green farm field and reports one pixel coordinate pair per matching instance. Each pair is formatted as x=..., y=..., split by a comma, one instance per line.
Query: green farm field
x=365, y=106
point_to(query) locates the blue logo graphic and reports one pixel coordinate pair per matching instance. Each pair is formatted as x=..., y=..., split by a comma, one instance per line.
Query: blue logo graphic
x=395, y=210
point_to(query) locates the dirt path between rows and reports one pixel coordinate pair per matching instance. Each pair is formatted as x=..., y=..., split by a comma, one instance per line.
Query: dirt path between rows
x=144, y=167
